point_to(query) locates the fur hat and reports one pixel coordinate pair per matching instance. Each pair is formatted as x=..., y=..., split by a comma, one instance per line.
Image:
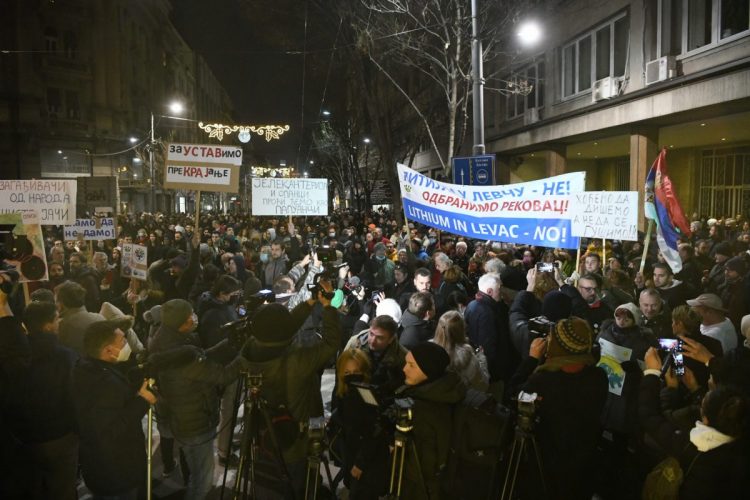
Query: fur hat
x=570, y=336
x=634, y=312
x=175, y=312
x=272, y=324
x=431, y=359
x=389, y=307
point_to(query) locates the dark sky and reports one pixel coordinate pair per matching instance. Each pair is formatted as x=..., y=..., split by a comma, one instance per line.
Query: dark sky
x=256, y=50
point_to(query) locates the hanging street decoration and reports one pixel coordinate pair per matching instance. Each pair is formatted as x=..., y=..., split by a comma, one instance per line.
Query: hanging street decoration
x=244, y=132
x=271, y=171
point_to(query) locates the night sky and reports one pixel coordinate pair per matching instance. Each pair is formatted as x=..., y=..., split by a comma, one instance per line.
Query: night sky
x=256, y=50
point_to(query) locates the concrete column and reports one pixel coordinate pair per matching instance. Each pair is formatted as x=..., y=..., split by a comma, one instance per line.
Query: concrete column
x=556, y=162
x=502, y=170
x=643, y=150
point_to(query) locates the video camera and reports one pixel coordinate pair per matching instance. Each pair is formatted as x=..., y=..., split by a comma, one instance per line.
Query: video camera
x=540, y=326
x=397, y=411
x=526, y=411
x=238, y=331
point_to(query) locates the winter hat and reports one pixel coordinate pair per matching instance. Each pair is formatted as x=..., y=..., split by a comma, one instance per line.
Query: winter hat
x=736, y=264
x=175, y=312
x=379, y=247
x=745, y=328
x=389, y=307
x=709, y=300
x=569, y=337
x=556, y=306
x=431, y=359
x=272, y=325
x=711, y=222
x=634, y=312
x=153, y=315
x=724, y=248
x=180, y=261
x=113, y=313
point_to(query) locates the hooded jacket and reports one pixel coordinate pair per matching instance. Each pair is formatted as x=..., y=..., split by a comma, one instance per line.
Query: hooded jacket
x=212, y=315
x=415, y=330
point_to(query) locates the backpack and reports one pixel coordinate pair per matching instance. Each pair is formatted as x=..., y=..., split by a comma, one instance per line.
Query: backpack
x=664, y=480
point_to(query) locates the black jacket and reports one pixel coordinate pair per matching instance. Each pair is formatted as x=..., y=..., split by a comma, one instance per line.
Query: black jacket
x=487, y=322
x=432, y=419
x=42, y=404
x=415, y=330
x=212, y=315
x=525, y=306
x=112, y=451
x=718, y=473
x=190, y=393
x=89, y=279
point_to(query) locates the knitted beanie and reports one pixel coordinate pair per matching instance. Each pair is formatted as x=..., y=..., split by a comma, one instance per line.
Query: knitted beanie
x=431, y=359
x=556, y=306
x=272, y=324
x=175, y=312
x=570, y=336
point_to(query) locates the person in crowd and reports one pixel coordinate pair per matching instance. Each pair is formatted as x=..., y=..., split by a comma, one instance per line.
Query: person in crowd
x=190, y=392
x=109, y=410
x=471, y=366
x=291, y=373
x=722, y=252
x=655, y=314
x=674, y=292
x=176, y=274
x=570, y=395
x=276, y=265
x=487, y=321
x=461, y=257
x=733, y=292
x=691, y=271
x=416, y=322
x=420, y=283
x=39, y=412
x=74, y=318
x=365, y=445
x=452, y=280
x=713, y=455
x=435, y=391
x=386, y=354
x=702, y=257
x=87, y=277
x=380, y=269
x=714, y=322
x=595, y=311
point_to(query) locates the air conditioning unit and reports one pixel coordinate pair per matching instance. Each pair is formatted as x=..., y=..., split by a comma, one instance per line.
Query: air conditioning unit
x=531, y=116
x=661, y=69
x=606, y=88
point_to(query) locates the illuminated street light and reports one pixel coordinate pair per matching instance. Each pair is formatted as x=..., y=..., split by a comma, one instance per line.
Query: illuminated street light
x=366, y=140
x=529, y=33
x=133, y=140
x=176, y=107
x=326, y=112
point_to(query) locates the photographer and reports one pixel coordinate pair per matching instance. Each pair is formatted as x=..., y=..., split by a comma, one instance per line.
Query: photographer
x=191, y=398
x=291, y=373
x=434, y=392
x=571, y=391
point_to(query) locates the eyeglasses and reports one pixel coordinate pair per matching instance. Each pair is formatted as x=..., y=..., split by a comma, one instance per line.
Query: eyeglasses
x=587, y=288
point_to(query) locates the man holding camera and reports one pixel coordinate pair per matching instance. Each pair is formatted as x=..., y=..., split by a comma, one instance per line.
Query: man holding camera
x=291, y=372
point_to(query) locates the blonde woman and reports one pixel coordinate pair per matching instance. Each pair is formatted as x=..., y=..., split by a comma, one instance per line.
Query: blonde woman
x=450, y=334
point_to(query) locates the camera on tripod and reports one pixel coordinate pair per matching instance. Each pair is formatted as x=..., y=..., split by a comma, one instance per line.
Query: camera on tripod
x=540, y=327
x=238, y=331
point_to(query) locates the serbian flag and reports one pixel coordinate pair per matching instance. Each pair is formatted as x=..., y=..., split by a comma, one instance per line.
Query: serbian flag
x=662, y=206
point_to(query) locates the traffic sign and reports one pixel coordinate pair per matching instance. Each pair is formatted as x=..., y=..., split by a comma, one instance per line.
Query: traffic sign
x=474, y=170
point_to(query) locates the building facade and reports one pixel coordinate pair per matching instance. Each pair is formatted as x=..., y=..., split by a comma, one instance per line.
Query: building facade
x=80, y=83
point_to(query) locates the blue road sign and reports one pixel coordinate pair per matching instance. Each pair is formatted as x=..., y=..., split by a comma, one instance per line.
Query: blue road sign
x=474, y=170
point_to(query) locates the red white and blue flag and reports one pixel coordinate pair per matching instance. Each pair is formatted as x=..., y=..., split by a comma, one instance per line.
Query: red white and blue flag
x=663, y=207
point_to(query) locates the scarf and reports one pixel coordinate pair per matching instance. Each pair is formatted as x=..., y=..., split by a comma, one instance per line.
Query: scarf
x=707, y=438
x=569, y=364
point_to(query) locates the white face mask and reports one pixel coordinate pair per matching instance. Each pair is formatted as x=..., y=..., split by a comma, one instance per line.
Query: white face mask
x=124, y=354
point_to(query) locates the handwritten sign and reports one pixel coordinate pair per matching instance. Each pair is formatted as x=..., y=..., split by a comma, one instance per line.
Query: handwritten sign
x=605, y=214
x=95, y=192
x=290, y=196
x=134, y=261
x=195, y=176
x=88, y=229
x=530, y=213
x=204, y=154
x=24, y=245
x=53, y=200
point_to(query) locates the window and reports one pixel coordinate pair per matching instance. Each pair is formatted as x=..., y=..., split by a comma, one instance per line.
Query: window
x=517, y=104
x=54, y=102
x=70, y=45
x=599, y=53
x=50, y=40
x=688, y=25
x=72, y=105
x=725, y=182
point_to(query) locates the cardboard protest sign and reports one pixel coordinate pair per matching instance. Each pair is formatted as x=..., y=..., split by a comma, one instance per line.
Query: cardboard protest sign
x=134, y=261
x=197, y=177
x=204, y=154
x=98, y=192
x=530, y=213
x=605, y=214
x=91, y=229
x=23, y=245
x=273, y=196
x=53, y=200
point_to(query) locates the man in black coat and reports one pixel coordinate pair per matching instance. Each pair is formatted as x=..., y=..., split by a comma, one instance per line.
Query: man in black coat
x=417, y=320
x=109, y=411
x=487, y=321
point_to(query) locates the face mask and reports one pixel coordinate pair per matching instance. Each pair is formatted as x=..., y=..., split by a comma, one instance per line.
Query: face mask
x=332, y=235
x=124, y=354
x=264, y=257
x=354, y=377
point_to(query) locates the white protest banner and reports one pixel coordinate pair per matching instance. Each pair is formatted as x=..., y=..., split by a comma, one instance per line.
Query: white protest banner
x=531, y=213
x=605, y=214
x=53, y=200
x=204, y=154
x=24, y=245
x=273, y=196
x=134, y=261
x=225, y=178
x=88, y=229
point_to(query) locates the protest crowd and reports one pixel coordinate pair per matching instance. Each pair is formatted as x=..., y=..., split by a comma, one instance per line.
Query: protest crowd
x=630, y=372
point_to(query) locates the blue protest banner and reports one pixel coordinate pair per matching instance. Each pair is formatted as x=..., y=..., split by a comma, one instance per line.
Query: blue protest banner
x=531, y=213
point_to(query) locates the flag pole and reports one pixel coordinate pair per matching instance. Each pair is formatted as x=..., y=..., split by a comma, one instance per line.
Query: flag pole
x=646, y=243
x=604, y=254
x=578, y=261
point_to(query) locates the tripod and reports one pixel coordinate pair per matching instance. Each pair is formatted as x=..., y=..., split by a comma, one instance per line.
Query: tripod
x=255, y=415
x=316, y=456
x=401, y=445
x=524, y=435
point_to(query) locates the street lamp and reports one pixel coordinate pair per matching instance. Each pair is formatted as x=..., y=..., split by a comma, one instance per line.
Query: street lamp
x=175, y=107
x=478, y=79
x=529, y=33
